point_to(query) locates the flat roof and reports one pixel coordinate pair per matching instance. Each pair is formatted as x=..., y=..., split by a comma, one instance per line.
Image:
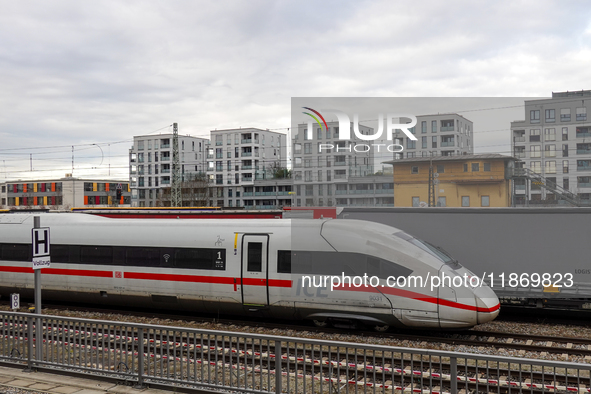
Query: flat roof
x=485, y=156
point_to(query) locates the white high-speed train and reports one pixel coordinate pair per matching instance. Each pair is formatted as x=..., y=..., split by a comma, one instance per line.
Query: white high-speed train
x=260, y=267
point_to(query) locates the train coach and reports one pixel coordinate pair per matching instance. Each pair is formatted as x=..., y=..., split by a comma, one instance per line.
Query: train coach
x=256, y=267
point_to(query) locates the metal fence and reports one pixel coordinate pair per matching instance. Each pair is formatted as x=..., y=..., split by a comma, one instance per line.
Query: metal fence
x=199, y=359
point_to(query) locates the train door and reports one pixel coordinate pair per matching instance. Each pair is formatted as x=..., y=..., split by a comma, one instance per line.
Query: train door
x=254, y=270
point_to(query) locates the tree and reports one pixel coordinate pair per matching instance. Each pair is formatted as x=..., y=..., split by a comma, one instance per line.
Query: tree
x=278, y=171
x=194, y=192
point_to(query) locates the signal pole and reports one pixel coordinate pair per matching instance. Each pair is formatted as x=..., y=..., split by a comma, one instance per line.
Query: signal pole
x=175, y=189
x=431, y=182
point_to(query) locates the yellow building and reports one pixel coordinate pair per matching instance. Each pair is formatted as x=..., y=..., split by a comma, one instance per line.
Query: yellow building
x=458, y=181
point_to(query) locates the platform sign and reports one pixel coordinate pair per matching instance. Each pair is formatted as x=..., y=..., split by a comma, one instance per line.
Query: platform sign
x=15, y=301
x=41, y=244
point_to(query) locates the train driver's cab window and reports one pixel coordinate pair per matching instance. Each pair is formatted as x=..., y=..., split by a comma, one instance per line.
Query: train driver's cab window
x=255, y=257
x=284, y=261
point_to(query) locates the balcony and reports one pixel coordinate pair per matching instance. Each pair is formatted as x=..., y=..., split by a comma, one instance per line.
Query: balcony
x=246, y=141
x=247, y=194
x=519, y=139
x=447, y=143
x=339, y=163
x=447, y=128
x=165, y=158
x=520, y=155
x=165, y=182
x=534, y=138
x=584, y=184
x=583, y=135
x=246, y=167
x=341, y=192
x=165, y=146
x=583, y=151
x=384, y=191
x=583, y=168
x=246, y=154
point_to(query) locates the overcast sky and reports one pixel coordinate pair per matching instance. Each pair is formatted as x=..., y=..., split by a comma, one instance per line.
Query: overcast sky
x=78, y=73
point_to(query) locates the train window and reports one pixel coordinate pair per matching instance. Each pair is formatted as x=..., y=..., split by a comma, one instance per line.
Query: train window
x=204, y=259
x=16, y=252
x=255, y=257
x=74, y=254
x=143, y=257
x=96, y=254
x=284, y=261
x=301, y=262
x=60, y=253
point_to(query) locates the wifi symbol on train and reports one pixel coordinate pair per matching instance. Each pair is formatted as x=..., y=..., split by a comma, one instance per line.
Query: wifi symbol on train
x=166, y=257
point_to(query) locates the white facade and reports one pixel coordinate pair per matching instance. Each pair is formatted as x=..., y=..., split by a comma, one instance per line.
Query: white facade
x=239, y=165
x=150, y=164
x=554, y=141
x=440, y=135
x=323, y=164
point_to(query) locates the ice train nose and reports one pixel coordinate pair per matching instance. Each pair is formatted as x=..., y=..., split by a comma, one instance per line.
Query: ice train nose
x=487, y=304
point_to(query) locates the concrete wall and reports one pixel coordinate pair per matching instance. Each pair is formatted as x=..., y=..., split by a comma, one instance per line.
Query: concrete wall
x=520, y=240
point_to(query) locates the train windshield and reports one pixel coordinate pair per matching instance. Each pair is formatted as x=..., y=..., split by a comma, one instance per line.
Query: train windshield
x=433, y=250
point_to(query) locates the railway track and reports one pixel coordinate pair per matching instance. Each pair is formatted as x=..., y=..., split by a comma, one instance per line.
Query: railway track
x=480, y=340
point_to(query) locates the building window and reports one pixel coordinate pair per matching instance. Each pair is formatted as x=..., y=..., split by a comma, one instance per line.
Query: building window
x=565, y=115
x=534, y=135
x=416, y=201
x=565, y=166
x=441, y=202
x=440, y=168
x=466, y=167
x=535, y=151
x=319, y=133
x=550, y=115
x=423, y=127
x=536, y=166
x=550, y=151
x=414, y=169
x=433, y=142
x=485, y=201
x=434, y=126
x=565, y=133
x=475, y=167
x=411, y=144
x=307, y=147
x=549, y=134
x=465, y=201
x=487, y=167
x=534, y=116
x=550, y=167
x=581, y=114
x=424, y=142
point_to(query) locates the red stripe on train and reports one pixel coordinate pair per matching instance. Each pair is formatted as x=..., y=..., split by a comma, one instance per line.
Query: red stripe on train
x=247, y=281
x=417, y=296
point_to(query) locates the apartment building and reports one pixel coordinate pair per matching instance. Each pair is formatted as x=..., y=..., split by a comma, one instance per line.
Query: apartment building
x=245, y=168
x=439, y=135
x=64, y=193
x=554, y=141
x=323, y=167
x=150, y=165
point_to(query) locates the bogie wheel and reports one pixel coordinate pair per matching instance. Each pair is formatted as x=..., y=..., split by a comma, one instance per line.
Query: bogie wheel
x=321, y=323
x=381, y=327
